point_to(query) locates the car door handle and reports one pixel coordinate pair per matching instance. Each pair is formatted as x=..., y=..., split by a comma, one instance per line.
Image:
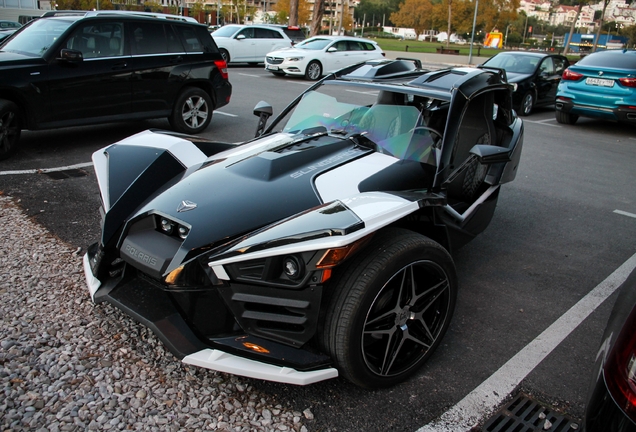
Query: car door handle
x=121, y=65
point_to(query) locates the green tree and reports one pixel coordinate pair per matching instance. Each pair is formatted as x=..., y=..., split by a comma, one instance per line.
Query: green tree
x=282, y=11
x=414, y=14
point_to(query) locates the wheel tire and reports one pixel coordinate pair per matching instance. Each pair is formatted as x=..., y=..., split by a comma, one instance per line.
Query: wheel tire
x=192, y=111
x=566, y=118
x=379, y=327
x=313, y=71
x=10, y=128
x=225, y=54
x=527, y=104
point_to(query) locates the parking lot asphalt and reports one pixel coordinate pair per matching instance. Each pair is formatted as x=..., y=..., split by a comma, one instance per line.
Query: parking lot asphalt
x=556, y=236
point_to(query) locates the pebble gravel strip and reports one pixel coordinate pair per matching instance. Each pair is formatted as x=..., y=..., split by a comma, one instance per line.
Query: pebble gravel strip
x=69, y=365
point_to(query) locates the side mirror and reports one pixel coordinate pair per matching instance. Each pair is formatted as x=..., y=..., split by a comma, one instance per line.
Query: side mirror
x=240, y=37
x=71, y=56
x=332, y=49
x=489, y=154
x=264, y=111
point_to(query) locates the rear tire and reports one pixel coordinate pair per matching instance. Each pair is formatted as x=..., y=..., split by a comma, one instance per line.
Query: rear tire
x=391, y=306
x=566, y=118
x=10, y=128
x=192, y=112
x=313, y=71
x=225, y=54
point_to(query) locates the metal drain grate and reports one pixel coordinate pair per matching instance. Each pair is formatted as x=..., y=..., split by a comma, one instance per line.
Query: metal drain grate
x=60, y=175
x=526, y=415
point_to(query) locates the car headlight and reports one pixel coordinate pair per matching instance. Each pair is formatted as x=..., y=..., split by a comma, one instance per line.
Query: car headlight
x=294, y=59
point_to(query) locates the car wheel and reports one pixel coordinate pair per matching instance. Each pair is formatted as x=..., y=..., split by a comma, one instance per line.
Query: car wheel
x=225, y=54
x=527, y=103
x=566, y=118
x=9, y=128
x=390, y=308
x=313, y=71
x=192, y=112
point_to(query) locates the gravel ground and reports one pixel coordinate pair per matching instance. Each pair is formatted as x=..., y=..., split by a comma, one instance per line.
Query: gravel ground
x=67, y=365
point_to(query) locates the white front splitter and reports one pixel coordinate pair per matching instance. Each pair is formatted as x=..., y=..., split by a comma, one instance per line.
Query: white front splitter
x=224, y=362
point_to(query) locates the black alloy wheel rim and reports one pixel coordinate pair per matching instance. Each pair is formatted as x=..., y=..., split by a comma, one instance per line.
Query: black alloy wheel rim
x=406, y=318
x=8, y=131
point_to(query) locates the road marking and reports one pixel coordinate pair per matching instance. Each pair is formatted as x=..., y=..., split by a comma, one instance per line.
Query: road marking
x=225, y=114
x=47, y=170
x=486, y=398
x=307, y=84
x=624, y=213
x=542, y=122
x=253, y=76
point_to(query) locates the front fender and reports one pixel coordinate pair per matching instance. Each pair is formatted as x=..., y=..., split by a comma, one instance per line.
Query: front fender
x=134, y=169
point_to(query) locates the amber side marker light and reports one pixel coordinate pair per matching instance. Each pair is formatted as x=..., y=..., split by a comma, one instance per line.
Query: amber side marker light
x=173, y=276
x=256, y=348
x=335, y=256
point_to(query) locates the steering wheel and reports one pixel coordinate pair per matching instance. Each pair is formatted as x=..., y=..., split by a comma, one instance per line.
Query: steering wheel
x=430, y=130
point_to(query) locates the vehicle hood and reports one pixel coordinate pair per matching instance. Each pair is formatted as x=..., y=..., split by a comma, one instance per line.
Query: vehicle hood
x=288, y=52
x=514, y=77
x=232, y=196
x=8, y=58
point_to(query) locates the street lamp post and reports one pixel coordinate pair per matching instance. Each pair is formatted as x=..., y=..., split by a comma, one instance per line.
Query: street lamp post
x=472, y=37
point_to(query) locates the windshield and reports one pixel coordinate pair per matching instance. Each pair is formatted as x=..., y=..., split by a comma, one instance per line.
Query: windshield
x=37, y=36
x=393, y=121
x=313, y=44
x=226, y=31
x=514, y=63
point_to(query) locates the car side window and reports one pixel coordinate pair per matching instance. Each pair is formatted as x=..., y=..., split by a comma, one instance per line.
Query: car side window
x=368, y=46
x=547, y=66
x=98, y=40
x=189, y=36
x=261, y=33
x=149, y=38
x=247, y=32
x=340, y=46
x=559, y=65
x=355, y=46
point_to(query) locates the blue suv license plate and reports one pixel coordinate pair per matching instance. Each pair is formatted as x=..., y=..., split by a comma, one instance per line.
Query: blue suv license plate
x=599, y=82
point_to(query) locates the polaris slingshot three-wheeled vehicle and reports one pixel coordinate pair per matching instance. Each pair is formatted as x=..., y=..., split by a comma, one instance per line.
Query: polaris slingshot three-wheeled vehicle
x=322, y=246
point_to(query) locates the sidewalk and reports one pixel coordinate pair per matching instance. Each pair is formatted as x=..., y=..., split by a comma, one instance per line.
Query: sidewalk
x=438, y=59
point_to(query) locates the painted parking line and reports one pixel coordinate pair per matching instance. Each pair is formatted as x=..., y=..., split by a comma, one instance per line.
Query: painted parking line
x=624, y=213
x=225, y=114
x=482, y=402
x=250, y=75
x=47, y=170
x=543, y=122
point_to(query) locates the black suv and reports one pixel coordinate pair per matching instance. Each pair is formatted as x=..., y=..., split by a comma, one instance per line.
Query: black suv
x=71, y=68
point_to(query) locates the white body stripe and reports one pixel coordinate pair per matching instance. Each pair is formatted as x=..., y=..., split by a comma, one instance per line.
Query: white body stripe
x=344, y=180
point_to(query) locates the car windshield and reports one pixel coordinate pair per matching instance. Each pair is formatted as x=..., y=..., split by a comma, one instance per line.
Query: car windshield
x=397, y=126
x=314, y=44
x=514, y=63
x=38, y=36
x=226, y=31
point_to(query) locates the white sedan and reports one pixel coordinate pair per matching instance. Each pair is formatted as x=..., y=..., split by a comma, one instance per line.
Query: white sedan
x=320, y=55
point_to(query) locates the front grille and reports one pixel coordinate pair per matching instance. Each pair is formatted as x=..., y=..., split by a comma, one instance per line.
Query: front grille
x=274, y=60
x=524, y=414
